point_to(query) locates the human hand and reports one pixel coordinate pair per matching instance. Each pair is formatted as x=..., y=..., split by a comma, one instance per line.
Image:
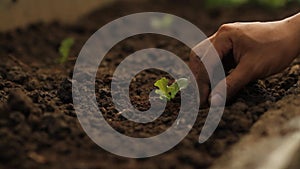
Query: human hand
x=254, y=50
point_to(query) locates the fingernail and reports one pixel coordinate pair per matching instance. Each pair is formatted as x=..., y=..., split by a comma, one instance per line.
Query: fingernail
x=216, y=100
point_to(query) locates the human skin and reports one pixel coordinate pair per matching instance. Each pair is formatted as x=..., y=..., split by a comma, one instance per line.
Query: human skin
x=254, y=50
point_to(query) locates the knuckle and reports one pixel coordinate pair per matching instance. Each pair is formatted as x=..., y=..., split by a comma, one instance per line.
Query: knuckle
x=228, y=27
x=225, y=27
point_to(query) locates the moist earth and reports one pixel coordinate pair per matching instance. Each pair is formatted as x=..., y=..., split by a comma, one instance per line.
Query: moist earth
x=39, y=127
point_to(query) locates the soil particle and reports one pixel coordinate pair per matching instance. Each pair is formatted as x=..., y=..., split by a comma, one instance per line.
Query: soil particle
x=65, y=91
x=56, y=127
x=19, y=101
x=16, y=74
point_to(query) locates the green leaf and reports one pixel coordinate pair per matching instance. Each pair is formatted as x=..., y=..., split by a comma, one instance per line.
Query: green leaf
x=162, y=86
x=273, y=3
x=219, y=3
x=64, y=49
x=169, y=92
x=173, y=90
x=161, y=94
x=182, y=83
x=162, y=23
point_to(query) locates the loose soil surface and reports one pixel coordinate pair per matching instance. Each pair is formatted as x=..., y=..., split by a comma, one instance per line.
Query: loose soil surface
x=38, y=124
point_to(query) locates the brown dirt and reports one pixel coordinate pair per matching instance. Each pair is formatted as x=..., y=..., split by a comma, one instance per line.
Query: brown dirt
x=38, y=125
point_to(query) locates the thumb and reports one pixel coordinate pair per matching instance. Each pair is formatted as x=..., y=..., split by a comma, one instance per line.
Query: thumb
x=229, y=86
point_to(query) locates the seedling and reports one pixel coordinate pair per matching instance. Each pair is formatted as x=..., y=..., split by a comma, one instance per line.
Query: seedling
x=64, y=49
x=162, y=23
x=167, y=92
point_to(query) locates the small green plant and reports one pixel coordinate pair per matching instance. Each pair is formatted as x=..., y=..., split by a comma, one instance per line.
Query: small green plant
x=162, y=23
x=64, y=49
x=219, y=3
x=169, y=92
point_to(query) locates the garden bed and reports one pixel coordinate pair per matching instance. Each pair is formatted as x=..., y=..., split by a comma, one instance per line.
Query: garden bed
x=38, y=124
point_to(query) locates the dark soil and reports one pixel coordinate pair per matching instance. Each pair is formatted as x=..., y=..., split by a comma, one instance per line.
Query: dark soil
x=38, y=125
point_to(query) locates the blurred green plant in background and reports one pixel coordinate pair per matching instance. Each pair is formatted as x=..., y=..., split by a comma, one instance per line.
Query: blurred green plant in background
x=161, y=23
x=266, y=3
x=64, y=49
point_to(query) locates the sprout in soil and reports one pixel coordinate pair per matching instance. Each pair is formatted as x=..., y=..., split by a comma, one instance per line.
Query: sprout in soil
x=64, y=49
x=162, y=23
x=169, y=92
